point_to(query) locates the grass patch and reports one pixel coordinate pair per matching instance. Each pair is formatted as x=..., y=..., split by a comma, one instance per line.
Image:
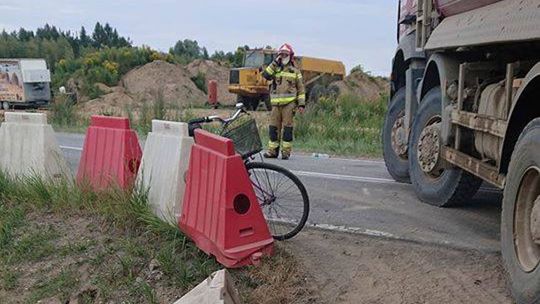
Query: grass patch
x=64, y=116
x=200, y=82
x=63, y=241
x=42, y=231
x=344, y=126
x=10, y=280
x=61, y=285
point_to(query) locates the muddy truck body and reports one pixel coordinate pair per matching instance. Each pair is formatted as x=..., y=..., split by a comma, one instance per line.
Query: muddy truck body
x=251, y=88
x=24, y=83
x=465, y=109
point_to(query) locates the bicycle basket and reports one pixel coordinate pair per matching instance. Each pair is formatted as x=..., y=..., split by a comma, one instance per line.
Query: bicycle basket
x=245, y=136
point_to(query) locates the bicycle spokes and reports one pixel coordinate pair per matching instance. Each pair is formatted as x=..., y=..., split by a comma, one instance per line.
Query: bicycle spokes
x=282, y=199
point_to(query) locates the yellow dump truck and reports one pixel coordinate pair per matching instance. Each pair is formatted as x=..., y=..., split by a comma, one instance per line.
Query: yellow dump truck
x=251, y=88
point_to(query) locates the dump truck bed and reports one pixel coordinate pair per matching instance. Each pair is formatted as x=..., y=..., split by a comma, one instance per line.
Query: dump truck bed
x=318, y=65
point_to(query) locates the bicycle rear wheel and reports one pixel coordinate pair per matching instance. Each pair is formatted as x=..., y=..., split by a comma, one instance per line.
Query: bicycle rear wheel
x=282, y=197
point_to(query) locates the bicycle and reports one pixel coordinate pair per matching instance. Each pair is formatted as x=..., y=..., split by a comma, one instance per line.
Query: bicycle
x=281, y=195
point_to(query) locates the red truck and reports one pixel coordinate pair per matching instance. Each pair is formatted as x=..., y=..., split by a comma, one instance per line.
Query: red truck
x=465, y=108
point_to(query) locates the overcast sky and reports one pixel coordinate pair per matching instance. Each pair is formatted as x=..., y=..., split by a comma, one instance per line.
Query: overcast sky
x=353, y=31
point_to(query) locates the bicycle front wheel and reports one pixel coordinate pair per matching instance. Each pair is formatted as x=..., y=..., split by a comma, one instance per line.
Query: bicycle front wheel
x=282, y=197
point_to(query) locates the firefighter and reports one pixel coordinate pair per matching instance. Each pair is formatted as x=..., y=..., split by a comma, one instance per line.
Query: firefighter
x=287, y=95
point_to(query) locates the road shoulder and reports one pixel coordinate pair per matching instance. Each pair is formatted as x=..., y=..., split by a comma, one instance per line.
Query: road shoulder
x=349, y=268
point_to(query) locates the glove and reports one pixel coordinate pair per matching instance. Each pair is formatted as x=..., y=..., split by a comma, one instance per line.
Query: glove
x=277, y=60
x=301, y=109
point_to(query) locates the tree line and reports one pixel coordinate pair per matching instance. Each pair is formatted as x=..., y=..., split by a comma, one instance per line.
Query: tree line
x=100, y=56
x=53, y=44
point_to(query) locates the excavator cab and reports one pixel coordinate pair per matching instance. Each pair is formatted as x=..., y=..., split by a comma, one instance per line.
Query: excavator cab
x=247, y=82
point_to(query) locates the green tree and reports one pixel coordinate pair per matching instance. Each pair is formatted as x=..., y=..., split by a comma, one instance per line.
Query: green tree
x=84, y=39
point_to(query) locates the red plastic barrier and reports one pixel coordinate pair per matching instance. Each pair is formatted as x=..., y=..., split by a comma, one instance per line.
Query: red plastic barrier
x=111, y=154
x=220, y=211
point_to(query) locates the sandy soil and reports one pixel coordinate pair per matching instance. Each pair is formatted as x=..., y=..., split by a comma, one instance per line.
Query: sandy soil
x=159, y=77
x=359, y=269
x=214, y=71
x=362, y=85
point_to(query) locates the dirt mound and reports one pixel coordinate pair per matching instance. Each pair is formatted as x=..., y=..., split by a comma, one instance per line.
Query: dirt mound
x=171, y=81
x=214, y=71
x=359, y=83
x=116, y=103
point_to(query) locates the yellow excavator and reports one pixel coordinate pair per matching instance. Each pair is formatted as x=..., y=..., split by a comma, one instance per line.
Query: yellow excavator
x=251, y=88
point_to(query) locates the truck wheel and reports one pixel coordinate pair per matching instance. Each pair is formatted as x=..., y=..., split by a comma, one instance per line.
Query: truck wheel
x=316, y=92
x=254, y=103
x=246, y=101
x=435, y=181
x=520, y=225
x=394, y=139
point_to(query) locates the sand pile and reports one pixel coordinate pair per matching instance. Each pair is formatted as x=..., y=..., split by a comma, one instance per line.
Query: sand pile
x=143, y=86
x=359, y=83
x=116, y=103
x=157, y=78
x=214, y=71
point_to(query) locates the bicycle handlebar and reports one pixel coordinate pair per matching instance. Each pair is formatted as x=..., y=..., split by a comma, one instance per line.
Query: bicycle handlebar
x=199, y=120
x=207, y=119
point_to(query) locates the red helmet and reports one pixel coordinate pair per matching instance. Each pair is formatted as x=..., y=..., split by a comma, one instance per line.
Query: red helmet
x=286, y=48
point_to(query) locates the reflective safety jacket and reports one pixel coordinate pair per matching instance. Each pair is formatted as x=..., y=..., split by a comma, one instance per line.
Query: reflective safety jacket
x=287, y=84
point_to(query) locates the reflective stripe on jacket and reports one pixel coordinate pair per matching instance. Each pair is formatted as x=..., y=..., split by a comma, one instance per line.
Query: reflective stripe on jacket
x=287, y=84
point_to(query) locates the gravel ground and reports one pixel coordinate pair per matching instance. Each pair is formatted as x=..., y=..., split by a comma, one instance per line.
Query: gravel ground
x=348, y=268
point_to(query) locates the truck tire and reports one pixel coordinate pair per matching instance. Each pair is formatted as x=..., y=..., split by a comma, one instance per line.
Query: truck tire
x=394, y=145
x=435, y=181
x=521, y=207
x=254, y=101
x=316, y=92
x=333, y=91
x=247, y=101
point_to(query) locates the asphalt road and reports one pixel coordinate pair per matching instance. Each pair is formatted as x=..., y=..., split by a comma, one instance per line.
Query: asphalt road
x=359, y=196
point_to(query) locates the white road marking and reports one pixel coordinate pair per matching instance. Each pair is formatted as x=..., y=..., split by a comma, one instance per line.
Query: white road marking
x=371, y=161
x=364, y=179
x=356, y=230
x=70, y=148
x=330, y=227
x=380, y=234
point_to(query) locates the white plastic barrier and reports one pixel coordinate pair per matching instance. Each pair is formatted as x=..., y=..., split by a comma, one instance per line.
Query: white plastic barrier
x=216, y=289
x=28, y=147
x=164, y=163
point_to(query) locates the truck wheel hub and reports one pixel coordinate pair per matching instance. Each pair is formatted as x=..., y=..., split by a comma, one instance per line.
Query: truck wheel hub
x=535, y=221
x=429, y=148
x=527, y=220
x=399, y=136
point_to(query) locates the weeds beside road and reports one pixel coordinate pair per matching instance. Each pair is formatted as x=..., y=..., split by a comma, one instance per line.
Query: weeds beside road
x=63, y=241
x=344, y=126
